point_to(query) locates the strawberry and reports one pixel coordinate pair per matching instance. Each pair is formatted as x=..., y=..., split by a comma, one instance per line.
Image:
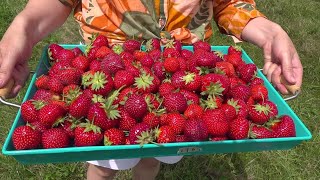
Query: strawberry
x=175, y=102
x=165, y=88
x=234, y=59
x=164, y=120
x=181, y=138
x=259, y=113
x=136, y=106
x=124, y=94
x=227, y=68
x=65, y=55
x=131, y=45
x=102, y=52
x=68, y=124
x=138, y=55
x=123, y=78
x=69, y=76
x=114, y=136
x=191, y=97
x=81, y=62
x=50, y=113
x=247, y=72
x=235, y=50
x=186, y=80
x=42, y=82
x=147, y=82
x=204, y=58
x=176, y=121
x=153, y=101
x=112, y=63
x=95, y=65
x=240, y=92
x=151, y=119
x=240, y=106
x=53, y=71
x=126, y=122
x=140, y=134
x=133, y=69
x=256, y=81
x=165, y=134
x=219, y=138
x=202, y=45
x=260, y=132
x=285, y=128
x=177, y=79
x=127, y=58
x=216, y=122
x=37, y=125
x=159, y=70
x=229, y=111
x=218, y=55
x=239, y=128
x=45, y=95
x=235, y=81
x=91, y=52
x=80, y=106
x=77, y=52
x=30, y=110
x=26, y=137
x=101, y=83
x=215, y=84
x=171, y=64
x=193, y=111
x=71, y=92
x=170, y=52
x=99, y=40
x=259, y=92
x=55, y=85
x=273, y=108
x=87, y=134
x=55, y=138
x=196, y=130
x=53, y=51
x=211, y=102
x=147, y=61
x=103, y=115
x=153, y=44
x=183, y=64
x=156, y=54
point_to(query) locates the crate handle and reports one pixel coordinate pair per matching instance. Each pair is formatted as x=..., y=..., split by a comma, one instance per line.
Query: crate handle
x=186, y=150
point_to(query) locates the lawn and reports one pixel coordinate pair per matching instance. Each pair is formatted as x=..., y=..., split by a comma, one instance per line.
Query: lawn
x=299, y=18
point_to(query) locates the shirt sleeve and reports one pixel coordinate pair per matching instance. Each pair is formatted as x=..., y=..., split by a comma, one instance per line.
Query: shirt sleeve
x=232, y=16
x=70, y=3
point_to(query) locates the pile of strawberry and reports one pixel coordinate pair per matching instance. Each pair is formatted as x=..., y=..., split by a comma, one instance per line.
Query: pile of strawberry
x=122, y=95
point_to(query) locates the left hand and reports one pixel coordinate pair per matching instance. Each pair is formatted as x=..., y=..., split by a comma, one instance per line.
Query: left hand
x=280, y=55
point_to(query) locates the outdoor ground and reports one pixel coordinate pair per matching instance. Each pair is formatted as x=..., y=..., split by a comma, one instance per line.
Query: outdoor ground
x=299, y=18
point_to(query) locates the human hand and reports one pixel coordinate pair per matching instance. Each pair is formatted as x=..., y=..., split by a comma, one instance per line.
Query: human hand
x=280, y=55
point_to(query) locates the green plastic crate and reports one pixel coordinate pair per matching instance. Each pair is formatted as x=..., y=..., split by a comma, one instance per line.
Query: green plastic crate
x=73, y=154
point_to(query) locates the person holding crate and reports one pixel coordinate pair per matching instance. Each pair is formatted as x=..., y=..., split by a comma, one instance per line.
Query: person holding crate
x=187, y=21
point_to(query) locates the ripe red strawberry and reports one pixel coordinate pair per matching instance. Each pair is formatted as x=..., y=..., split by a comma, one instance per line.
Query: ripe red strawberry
x=45, y=95
x=81, y=62
x=131, y=45
x=191, y=97
x=216, y=122
x=193, y=111
x=151, y=119
x=186, y=54
x=235, y=50
x=99, y=40
x=30, y=110
x=171, y=64
x=215, y=84
x=153, y=101
x=126, y=122
x=87, y=134
x=164, y=120
x=259, y=92
x=61, y=103
x=50, y=113
x=227, y=68
x=229, y=111
x=285, y=128
x=147, y=61
x=165, y=88
x=153, y=44
x=91, y=52
x=65, y=55
x=240, y=92
x=127, y=58
x=25, y=137
x=123, y=78
x=138, y=55
x=136, y=106
x=55, y=138
x=239, y=128
x=247, y=72
x=112, y=63
x=176, y=121
x=177, y=79
x=273, y=108
x=165, y=134
x=235, y=81
x=259, y=113
x=71, y=92
x=240, y=106
x=101, y=83
x=37, y=125
x=80, y=106
x=260, y=132
x=53, y=71
x=147, y=82
x=55, y=85
x=204, y=58
x=202, y=45
x=175, y=102
x=218, y=55
x=68, y=124
x=95, y=65
x=256, y=81
x=170, y=52
x=53, y=51
x=156, y=55
x=234, y=59
x=133, y=69
x=42, y=82
x=69, y=76
x=103, y=115
x=183, y=64
x=125, y=93
x=181, y=138
x=186, y=80
x=159, y=70
x=77, y=52
x=196, y=130
x=114, y=136
x=102, y=52
x=219, y=138
x=140, y=134
x=211, y=102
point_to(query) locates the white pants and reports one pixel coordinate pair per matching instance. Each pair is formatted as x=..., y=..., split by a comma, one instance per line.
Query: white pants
x=123, y=164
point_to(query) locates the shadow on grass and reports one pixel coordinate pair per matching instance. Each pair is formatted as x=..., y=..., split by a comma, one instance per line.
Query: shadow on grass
x=226, y=166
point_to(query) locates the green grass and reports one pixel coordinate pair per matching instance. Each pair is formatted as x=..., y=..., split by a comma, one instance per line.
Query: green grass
x=298, y=18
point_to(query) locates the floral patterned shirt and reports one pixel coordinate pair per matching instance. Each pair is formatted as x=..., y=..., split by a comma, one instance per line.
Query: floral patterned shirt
x=187, y=21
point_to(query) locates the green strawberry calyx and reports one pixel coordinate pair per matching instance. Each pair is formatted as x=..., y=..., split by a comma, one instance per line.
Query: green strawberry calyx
x=189, y=78
x=98, y=81
x=144, y=81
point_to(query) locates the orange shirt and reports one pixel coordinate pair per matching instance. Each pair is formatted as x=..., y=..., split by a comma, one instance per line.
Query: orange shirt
x=187, y=21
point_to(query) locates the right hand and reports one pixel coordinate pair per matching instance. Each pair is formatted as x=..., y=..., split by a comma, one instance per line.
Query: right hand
x=14, y=65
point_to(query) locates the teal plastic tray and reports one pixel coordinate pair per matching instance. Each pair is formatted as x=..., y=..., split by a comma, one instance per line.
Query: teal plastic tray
x=73, y=154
